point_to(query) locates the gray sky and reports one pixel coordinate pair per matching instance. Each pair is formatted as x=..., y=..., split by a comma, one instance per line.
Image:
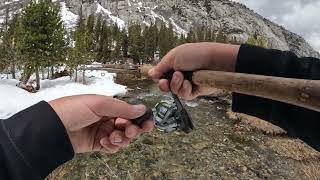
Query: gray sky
x=299, y=16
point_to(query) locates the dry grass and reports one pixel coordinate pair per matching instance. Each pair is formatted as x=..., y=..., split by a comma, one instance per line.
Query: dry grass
x=311, y=169
x=257, y=123
x=293, y=149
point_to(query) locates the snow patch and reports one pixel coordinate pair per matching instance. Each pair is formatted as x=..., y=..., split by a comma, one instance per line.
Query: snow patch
x=14, y=99
x=69, y=19
x=178, y=29
x=115, y=19
x=155, y=15
x=146, y=23
x=192, y=104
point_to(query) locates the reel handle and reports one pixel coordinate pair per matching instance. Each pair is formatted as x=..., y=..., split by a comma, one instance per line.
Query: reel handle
x=140, y=120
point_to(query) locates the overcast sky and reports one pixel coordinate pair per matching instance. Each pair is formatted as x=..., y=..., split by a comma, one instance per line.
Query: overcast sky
x=299, y=16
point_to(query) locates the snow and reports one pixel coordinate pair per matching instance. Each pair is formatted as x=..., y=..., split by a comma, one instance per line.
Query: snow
x=14, y=99
x=155, y=15
x=69, y=19
x=178, y=29
x=192, y=104
x=115, y=19
x=146, y=23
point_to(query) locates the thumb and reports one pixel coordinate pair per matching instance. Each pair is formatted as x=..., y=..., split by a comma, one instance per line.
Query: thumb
x=110, y=107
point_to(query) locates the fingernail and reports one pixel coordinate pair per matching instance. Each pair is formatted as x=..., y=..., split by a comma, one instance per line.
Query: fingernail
x=139, y=108
x=104, y=142
x=117, y=139
x=175, y=78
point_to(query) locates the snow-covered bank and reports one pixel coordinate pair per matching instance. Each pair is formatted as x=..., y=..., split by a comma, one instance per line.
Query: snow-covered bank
x=14, y=99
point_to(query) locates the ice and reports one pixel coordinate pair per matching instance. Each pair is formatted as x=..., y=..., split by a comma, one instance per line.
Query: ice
x=14, y=99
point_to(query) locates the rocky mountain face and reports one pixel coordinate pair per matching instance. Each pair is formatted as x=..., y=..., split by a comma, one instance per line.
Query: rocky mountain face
x=232, y=18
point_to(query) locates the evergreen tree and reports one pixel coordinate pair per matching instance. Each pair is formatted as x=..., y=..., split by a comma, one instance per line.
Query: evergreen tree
x=5, y=44
x=104, y=51
x=182, y=39
x=91, y=33
x=124, y=43
x=171, y=38
x=43, y=40
x=257, y=40
x=149, y=43
x=208, y=35
x=12, y=40
x=116, y=42
x=191, y=36
x=136, y=43
x=97, y=31
x=221, y=37
x=83, y=50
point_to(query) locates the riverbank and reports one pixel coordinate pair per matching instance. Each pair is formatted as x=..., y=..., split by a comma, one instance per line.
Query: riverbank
x=219, y=148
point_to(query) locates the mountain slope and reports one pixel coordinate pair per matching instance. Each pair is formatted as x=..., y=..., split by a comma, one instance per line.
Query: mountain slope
x=233, y=18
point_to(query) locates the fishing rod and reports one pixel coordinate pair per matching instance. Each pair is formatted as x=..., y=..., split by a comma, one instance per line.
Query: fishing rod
x=299, y=92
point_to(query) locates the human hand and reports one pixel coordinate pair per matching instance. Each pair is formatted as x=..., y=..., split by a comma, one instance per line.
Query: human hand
x=99, y=123
x=192, y=57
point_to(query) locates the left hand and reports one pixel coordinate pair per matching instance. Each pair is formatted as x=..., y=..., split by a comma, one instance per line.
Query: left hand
x=99, y=123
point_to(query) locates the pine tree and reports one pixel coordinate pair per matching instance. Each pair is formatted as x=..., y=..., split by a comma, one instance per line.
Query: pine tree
x=13, y=35
x=149, y=45
x=83, y=50
x=124, y=43
x=257, y=40
x=136, y=43
x=191, y=36
x=116, y=42
x=221, y=37
x=97, y=31
x=208, y=35
x=43, y=40
x=91, y=33
x=171, y=38
x=104, y=51
x=5, y=45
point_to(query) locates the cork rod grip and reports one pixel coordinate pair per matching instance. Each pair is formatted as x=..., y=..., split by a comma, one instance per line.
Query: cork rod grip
x=299, y=92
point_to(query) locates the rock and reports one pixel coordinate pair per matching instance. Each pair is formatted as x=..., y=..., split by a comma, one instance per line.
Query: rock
x=200, y=146
x=234, y=18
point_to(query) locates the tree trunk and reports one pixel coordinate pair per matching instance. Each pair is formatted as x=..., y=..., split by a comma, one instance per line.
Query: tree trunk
x=13, y=69
x=42, y=73
x=71, y=73
x=13, y=62
x=76, y=75
x=48, y=75
x=52, y=69
x=26, y=76
x=38, y=79
x=7, y=71
x=84, y=74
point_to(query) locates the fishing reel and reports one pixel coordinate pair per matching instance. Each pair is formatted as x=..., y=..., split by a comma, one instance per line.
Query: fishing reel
x=168, y=117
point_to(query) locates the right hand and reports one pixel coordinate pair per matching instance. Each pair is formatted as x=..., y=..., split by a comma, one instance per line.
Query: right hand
x=192, y=57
